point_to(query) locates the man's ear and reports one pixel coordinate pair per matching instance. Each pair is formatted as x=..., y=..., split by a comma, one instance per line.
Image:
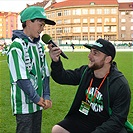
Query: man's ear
x=108, y=59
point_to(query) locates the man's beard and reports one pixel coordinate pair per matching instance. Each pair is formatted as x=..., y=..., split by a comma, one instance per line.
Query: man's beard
x=97, y=66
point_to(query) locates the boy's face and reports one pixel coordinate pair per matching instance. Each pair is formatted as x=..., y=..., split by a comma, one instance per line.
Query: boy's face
x=35, y=28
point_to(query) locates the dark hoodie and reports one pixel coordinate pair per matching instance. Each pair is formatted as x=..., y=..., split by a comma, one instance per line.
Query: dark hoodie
x=116, y=95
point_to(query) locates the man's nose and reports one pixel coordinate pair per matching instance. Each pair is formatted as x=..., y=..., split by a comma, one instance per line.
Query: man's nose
x=89, y=55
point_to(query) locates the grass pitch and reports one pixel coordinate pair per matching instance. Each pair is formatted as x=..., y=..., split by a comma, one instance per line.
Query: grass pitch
x=61, y=95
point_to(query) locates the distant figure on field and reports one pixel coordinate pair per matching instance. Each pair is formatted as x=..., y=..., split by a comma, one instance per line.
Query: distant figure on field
x=72, y=45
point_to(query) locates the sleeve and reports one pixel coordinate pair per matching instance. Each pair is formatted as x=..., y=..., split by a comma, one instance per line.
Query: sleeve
x=62, y=76
x=26, y=86
x=120, y=108
x=46, y=88
x=16, y=63
x=46, y=83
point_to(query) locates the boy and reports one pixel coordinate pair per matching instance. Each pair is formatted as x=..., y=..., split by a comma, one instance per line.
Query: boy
x=29, y=73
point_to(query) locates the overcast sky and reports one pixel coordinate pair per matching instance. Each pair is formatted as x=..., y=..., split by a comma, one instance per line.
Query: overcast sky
x=19, y=5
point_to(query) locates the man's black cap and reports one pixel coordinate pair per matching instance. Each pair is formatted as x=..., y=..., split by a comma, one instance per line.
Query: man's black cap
x=104, y=46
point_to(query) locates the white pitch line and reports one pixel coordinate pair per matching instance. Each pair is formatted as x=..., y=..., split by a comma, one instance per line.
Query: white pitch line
x=3, y=61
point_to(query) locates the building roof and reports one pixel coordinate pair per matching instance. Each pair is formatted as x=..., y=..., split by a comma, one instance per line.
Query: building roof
x=126, y=6
x=67, y=3
x=42, y=4
x=5, y=14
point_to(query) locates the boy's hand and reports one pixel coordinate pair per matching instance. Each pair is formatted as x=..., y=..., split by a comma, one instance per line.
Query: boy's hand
x=48, y=104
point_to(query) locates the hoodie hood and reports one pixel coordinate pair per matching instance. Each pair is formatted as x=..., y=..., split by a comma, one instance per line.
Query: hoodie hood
x=115, y=73
x=20, y=34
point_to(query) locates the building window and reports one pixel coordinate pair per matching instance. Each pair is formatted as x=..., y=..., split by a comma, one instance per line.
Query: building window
x=85, y=37
x=92, y=20
x=106, y=37
x=48, y=15
x=99, y=29
x=131, y=12
x=67, y=21
x=59, y=13
x=99, y=11
x=59, y=21
x=92, y=38
x=113, y=11
x=76, y=29
x=99, y=36
x=84, y=11
x=123, y=28
x=106, y=28
x=106, y=20
x=99, y=20
x=92, y=3
x=67, y=12
x=122, y=35
x=67, y=30
x=92, y=29
x=113, y=20
x=53, y=14
x=92, y=11
x=131, y=27
x=123, y=20
x=132, y=36
x=58, y=30
x=131, y=19
x=106, y=11
x=113, y=28
x=85, y=29
x=76, y=20
x=122, y=13
x=77, y=12
x=76, y=38
x=85, y=20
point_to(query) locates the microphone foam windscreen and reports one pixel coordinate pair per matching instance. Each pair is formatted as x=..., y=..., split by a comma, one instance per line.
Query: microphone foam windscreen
x=46, y=38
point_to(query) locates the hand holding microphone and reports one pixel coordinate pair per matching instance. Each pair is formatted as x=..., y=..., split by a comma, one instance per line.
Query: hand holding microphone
x=48, y=40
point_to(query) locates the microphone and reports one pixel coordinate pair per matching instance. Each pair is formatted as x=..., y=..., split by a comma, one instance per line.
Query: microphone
x=48, y=40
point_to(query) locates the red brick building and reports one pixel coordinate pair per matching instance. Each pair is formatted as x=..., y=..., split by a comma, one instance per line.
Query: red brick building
x=126, y=21
x=8, y=22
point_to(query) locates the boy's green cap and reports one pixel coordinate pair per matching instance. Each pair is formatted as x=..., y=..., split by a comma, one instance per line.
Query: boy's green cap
x=34, y=12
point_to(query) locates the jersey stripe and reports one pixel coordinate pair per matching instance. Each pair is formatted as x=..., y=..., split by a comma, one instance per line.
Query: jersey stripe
x=18, y=70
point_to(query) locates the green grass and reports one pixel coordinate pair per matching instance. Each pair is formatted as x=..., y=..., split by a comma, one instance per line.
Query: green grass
x=62, y=96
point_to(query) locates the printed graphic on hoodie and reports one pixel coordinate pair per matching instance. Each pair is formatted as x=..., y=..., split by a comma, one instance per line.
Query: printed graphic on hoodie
x=95, y=99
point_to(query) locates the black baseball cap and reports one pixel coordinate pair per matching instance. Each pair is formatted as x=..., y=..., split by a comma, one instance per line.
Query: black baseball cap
x=104, y=46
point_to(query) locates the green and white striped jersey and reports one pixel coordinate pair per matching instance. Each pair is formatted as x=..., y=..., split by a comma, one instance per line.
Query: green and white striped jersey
x=26, y=61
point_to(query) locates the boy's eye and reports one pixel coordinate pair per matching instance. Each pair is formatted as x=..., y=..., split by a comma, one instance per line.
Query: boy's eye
x=42, y=25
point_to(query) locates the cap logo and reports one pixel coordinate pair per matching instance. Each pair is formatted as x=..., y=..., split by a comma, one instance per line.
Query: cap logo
x=98, y=44
x=43, y=13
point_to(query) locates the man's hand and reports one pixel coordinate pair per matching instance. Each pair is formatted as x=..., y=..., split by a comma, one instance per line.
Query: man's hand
x=48, y=104
x=54, y=52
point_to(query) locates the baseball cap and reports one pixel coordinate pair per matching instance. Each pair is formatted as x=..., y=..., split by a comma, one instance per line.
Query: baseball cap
x=104, y=46
x=34, y=12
